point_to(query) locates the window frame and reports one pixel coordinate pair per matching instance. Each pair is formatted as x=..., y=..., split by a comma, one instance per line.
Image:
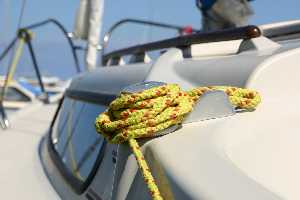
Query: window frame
x=77, y=186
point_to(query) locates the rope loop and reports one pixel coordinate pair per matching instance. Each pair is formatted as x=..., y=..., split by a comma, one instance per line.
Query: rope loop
x=142, y=114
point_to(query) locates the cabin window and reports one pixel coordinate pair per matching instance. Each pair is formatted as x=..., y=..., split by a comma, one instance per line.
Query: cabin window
x=76, y=143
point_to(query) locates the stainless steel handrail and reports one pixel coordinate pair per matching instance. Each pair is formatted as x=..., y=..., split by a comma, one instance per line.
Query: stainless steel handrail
x=107, y=36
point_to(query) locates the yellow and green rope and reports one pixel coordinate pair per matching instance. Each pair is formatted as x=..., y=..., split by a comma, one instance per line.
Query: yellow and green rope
x=142, y=114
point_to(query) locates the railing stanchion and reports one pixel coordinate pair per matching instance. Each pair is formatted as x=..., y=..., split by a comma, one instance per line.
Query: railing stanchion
x=28, y=37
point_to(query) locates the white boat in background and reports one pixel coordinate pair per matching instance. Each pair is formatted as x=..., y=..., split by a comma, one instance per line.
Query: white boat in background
x=53, y=151
x=24, y=94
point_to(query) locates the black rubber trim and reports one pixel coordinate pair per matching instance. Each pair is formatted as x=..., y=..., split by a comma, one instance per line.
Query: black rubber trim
x=56, y=113
x=246, y=32
x=92, y=195
x=91, y=97
x=89, y=197
x=77, y=186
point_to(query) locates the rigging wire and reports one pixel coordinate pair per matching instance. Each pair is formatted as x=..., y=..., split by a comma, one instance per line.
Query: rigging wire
x=4, y=121
x=20, y=20
x=21, y=14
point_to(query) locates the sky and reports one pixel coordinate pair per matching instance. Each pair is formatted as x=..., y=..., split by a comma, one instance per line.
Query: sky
x=53, y=53
x=182, y=12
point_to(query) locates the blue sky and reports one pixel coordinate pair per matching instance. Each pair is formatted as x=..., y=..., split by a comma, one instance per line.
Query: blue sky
x=52, y=47
x=181, y=12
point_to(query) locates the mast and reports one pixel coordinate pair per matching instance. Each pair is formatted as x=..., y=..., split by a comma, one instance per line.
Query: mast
x=95, y=22
x=88, y=27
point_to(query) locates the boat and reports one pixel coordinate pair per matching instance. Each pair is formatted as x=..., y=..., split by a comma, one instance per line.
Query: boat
x=218, y=153
x=24, y=94
x=16, y=96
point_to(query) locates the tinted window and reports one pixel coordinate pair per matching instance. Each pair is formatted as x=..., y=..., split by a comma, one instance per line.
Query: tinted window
x=75, y=139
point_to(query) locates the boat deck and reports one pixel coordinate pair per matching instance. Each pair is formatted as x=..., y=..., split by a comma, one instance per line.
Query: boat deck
x=20, y=157
x=34, y=119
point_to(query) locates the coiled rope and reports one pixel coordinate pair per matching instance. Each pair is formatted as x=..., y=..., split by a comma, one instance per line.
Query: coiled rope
x=142, y=114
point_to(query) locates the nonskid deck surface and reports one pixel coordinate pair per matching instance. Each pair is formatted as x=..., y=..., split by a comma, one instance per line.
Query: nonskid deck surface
x=21, y=172
x=34, y=119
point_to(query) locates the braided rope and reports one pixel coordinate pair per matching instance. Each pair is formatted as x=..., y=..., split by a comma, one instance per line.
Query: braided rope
x=148, y=178
x=142, y=114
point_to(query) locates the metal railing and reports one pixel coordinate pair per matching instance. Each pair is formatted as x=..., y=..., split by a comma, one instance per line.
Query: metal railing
x=73, y=47
x=107, y=36
x=184, y=42
x=24, y=36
